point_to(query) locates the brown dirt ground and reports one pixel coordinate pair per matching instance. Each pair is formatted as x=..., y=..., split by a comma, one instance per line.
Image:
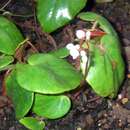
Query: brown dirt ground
x=89, y=111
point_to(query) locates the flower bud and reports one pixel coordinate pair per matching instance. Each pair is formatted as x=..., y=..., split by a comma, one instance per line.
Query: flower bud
x=80, y=34
x=88, y=35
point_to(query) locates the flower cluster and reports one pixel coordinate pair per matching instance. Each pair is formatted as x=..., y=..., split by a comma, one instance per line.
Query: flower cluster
x=75, y=52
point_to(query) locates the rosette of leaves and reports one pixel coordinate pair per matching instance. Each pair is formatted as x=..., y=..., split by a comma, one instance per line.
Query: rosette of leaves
x=39, y=85
x=106, y=66
x=53, y=14
x=10, y=38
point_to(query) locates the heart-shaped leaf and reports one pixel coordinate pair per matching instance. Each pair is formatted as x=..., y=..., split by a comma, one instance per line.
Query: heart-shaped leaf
x=51, y=75
x=32, y=123
x=51, y=107
x=5, y=60
x=10, y=36
x=22, y=99
x=53, y=14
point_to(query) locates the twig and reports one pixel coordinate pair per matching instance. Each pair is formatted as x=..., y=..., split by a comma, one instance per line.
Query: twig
x=19, y=49
x=28, y=42
x=5, y=12
x=36, y=30
x=51, y=40
x=16, y=15
x=8, y=67
x=32, y=46
x=8, y=2
x=49, y=37
x=93, y=99
x=94, y=25
x=23, y=42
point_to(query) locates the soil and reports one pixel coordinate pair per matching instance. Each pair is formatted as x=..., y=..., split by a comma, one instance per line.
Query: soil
x=89, y=111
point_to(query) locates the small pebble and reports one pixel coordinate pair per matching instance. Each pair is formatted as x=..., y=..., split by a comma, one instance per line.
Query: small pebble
x=99, y=124
x=124, y=100
x=79, y=129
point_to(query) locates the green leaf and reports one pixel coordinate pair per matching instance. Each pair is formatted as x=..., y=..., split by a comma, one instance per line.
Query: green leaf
x=10, y=36
x=103, y=23
x=51, y=107
x=51, y=75
x=32, y=123
x=5, y=60
x=112, y=46
x=22, y=99
x=106, y=71
x=60, y=53
x=53, y=14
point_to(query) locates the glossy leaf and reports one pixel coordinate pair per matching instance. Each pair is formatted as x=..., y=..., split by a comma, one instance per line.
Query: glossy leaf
x=51, y=107
x=32, y=123
x=106, y=70
x=53, y=14
x=5, y=60
x=51, y=75
x=22, y=99
x=10, y=36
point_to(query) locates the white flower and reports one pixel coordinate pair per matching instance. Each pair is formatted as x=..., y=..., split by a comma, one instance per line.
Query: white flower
x=80, y=34
x=74, y=53
x=88, y=35
x=84, y=57
x=84, y=60
x=74, y=50
x=77, y=46
x=69, y=46
x=82, y=53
